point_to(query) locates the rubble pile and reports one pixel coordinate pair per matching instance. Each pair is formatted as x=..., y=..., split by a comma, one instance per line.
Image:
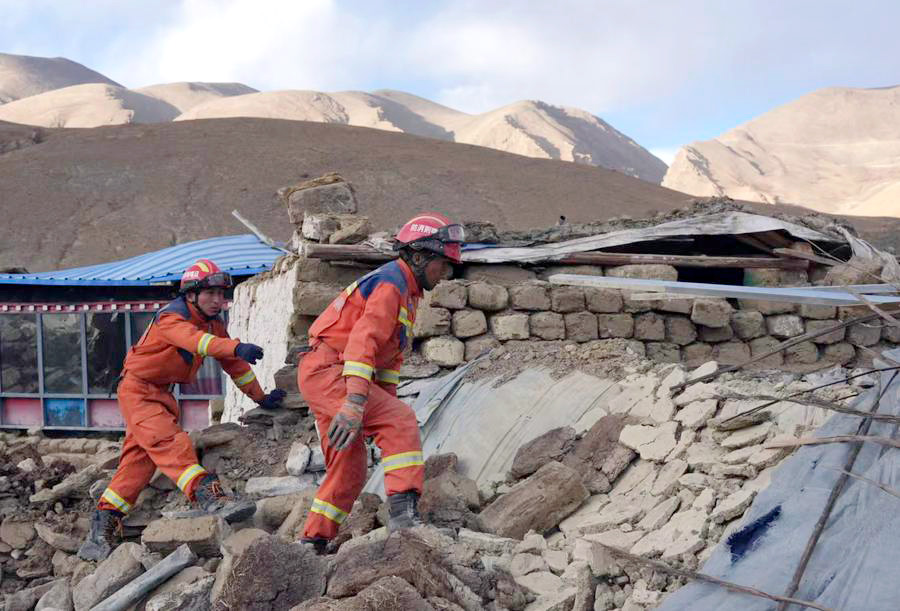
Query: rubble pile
x=662, y=475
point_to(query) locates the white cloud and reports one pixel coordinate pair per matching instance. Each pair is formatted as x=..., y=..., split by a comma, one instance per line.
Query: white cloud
x=667, y=154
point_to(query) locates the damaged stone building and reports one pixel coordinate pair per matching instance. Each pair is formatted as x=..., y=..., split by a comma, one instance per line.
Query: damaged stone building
x=623, y=415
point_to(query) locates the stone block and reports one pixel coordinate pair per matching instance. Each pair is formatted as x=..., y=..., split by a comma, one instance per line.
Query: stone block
x=509, y=326
x=353, y=230
x=890, y=333
x=775, y=277
x=475, y=346
x=813, y=326
x=767, y=307
x=711, y=312
x=537, y=503
x=581, y=326
x=696, y=353
x=502, y=275
x=634, y=306
x=277, y=486
x=431, y=322
x=748, y=324
x=450, y=294
x=190, y=596
x=298, y=458
x=311, y=298
x=552, y=445
x=603, y=301
x=680, y=330
x=490, y=297
x=648, y=272
x=731, y=353
x=651, y=442
x=784, y=326
x=761, y=345
x=649, y=327
x=120, y=568
x=663, y=352
x=328, y=194
x=319, y=227
x=615, y=325
x=715, y=334
x=533, y=296
x=864, y=334
x=446, y=351
x=203, y=535
x=468, y=323
x=819, y=312
x=805, y=353
x=17, y=532
x=566, y=299
x=674, y=305
x=316, y=270
x=272, y=511
x=547, y=325
x=840, y=354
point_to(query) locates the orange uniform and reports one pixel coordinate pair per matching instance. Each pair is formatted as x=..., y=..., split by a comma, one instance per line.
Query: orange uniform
x=171, y=351
x=358, y=344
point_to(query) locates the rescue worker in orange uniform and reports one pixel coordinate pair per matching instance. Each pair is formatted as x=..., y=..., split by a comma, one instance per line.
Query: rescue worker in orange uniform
x=350, y=378
x=171, y=352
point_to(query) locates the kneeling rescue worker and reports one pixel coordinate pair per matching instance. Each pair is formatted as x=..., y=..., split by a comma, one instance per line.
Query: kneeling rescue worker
x=171, y=352
x=350, y=378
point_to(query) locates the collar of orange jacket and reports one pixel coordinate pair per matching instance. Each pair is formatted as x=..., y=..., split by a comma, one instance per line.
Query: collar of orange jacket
x=414, y=288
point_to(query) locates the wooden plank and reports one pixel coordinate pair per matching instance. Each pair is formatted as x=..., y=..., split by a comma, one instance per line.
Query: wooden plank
x=797, y=254
x=346, y=252
x=616, y=258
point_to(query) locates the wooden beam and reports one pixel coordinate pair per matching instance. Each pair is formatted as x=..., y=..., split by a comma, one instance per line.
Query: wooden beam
x=360, y=252
x=790, y=252
x=754, y=242
x=616, y=258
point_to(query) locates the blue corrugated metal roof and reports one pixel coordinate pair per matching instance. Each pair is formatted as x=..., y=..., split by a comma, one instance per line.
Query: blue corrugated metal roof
x=240, y=255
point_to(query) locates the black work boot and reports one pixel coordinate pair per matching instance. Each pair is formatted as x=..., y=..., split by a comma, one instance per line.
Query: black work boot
x=212, y=499
x=403, y=510
x=106, y=531
x=319, y=544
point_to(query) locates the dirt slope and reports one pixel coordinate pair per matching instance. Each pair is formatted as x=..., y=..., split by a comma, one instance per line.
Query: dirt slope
x=22, y=75
x=93, y=195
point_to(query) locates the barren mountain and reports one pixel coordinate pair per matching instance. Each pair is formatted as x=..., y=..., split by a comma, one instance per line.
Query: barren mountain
x=835, y=150
x=76, y=197
x=529, y=128
x=95, y=105
x=22, y=75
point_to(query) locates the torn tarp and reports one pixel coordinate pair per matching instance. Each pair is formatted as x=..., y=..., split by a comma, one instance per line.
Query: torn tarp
x=725, y=223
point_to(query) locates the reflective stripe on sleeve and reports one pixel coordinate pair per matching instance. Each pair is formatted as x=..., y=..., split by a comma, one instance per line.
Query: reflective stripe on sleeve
x=203, y=344
x=388, y=376
x=355, y=368
x=109, y=495
x=402, y=460
x=244, y=379
x=188, y=475
x=328, y=510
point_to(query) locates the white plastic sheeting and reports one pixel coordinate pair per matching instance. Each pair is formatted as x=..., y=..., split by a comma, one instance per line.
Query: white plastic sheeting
x=485, y=426
x=724, y=223
x=854, y=565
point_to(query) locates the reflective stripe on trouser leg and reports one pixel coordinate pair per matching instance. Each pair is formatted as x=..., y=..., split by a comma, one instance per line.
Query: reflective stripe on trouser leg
x=111, y=498
x=187, y=476
x=328, y=510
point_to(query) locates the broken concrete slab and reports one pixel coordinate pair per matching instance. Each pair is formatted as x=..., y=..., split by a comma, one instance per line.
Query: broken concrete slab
x=278, y=486
x=697, y=414
x=651, y=442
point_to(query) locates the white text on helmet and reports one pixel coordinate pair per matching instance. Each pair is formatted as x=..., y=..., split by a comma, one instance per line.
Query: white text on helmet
x=423, y=228
x=190, y=275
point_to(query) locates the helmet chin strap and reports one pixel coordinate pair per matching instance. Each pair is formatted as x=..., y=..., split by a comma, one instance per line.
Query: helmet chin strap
x=418, y=269
x=196, y=304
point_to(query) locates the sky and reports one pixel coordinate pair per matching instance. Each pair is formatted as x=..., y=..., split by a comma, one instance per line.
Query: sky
x=664, y=72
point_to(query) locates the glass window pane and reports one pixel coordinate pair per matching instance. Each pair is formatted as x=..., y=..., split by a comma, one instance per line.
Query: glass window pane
x=139, y=323
x=18, y=353
x=209, y=379
x=62, y=353
x=105, y=350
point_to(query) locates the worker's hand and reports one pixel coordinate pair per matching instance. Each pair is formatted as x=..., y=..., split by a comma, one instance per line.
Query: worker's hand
x=273, y=399
x=249, y=352
x=347, y=423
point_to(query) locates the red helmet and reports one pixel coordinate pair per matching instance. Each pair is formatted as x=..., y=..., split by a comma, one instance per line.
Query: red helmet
x=204, y=274
x=434, y=232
